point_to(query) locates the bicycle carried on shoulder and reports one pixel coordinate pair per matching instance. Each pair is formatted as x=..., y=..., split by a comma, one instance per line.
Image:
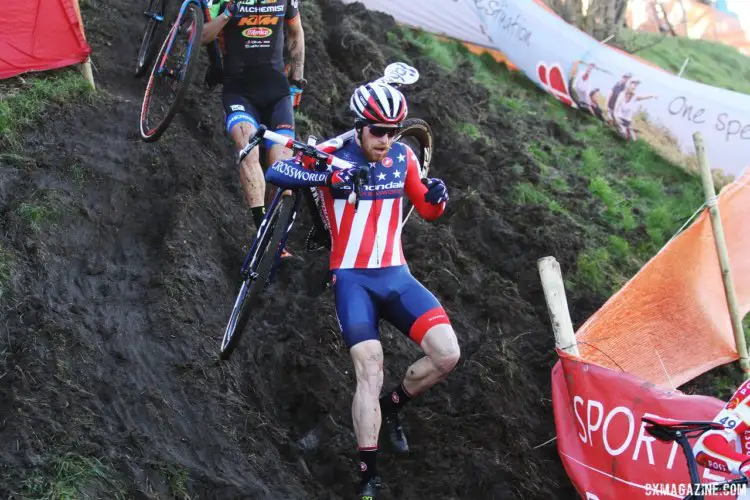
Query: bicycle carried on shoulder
x=669, y=430
x=264, y=256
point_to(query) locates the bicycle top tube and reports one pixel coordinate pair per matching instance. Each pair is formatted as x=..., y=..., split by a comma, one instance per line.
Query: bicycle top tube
x=296, y=146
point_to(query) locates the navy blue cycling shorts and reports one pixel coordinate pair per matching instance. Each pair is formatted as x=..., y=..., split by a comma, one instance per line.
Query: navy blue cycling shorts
x=363, y=296
x=276, y=115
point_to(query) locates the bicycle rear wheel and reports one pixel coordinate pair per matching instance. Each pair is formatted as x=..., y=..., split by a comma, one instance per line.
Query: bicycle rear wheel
x=266, y=254
x=155, y=15
x=417, y=134
x=171, y=74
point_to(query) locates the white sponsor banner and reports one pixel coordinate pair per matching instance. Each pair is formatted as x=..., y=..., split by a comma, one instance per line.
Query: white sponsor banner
x=453, y=18
x=636, y=99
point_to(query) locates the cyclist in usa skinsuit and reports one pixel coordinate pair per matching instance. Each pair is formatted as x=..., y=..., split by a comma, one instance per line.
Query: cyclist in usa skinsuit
x=371, y=279
x=728, y=450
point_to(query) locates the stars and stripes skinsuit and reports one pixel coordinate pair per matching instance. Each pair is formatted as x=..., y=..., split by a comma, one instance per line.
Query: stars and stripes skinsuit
x=726, y=450
x=371, y=278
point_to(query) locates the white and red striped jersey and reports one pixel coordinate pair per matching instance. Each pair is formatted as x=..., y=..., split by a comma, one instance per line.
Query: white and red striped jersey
x=371, y=236
x=725, y=450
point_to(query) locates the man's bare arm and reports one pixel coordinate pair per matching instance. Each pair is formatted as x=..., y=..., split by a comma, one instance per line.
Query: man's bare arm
x=296, y=44
x=212, y=29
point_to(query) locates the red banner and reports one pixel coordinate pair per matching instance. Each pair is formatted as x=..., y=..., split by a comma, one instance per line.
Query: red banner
x=40, y=35
x=602, y=441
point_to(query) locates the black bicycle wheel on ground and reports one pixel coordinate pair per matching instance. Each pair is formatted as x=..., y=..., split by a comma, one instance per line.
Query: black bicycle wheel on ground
x=171, y=74
x=417, y=134
x=267, y=251
x=155, y=15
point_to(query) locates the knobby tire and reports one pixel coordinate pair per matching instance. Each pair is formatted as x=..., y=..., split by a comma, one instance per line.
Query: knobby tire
x=148, y=42
x=417, y=134
x=269, y=249
x=151, y=134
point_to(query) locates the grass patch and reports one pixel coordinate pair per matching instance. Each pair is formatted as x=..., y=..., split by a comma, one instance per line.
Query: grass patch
x=646, y=187
x=444, y=52
x=559, y=184
x=70, y=477
x=35, y=214
x=592, y=162
x=710, y=62
x=24, y=107
x=592, y=269
x=78, y=173
x=470, y=130
x=536, y=149
x=526, y=194
x=7, y=264
x=177, y=478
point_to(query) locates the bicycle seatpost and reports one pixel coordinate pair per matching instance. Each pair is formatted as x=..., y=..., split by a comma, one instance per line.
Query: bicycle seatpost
x=695, y=479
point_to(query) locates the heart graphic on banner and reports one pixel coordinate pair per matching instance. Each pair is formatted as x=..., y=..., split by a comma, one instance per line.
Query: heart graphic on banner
x=554, y=81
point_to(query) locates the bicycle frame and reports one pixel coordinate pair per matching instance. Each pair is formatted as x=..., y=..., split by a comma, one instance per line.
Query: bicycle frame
x=251, y=257
x=683, y=439
x=155, y=16
x=695, y=478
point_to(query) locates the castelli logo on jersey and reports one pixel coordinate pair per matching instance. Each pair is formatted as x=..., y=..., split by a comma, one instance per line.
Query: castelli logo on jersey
x=733, y=404
x=257, y=32
x=387, y=162
x=394, y=397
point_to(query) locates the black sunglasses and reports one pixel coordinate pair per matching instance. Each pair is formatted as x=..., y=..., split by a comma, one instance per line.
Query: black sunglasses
x=381, y=131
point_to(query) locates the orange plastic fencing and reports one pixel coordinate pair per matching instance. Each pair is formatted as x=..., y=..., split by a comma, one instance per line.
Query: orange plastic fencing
x=670, y=322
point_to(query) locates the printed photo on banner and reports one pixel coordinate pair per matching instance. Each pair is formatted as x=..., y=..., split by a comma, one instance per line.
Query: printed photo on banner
x=630, y=106
x=616, y=102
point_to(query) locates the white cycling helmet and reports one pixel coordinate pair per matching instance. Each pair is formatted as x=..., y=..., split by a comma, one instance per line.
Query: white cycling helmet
x=378, y=103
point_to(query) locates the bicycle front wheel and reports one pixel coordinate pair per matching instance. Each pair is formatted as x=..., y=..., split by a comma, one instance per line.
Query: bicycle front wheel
x=171, y=74
x=266, y=255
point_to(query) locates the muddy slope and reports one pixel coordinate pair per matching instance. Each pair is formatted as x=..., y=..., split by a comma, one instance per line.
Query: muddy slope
x=121, y=288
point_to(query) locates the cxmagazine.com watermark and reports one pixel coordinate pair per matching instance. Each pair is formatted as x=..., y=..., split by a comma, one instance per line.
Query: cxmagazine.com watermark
x=683, y=490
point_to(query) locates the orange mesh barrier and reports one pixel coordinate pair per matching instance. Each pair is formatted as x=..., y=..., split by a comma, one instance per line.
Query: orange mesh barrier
x=670, y=322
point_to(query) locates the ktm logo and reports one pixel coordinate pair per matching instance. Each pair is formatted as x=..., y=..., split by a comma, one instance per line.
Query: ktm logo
x=259, y=21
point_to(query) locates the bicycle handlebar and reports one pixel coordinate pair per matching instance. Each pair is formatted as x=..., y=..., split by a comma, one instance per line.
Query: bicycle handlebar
x=311, y=152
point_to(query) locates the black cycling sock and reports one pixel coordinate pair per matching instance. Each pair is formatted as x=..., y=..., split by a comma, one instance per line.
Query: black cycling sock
x=368, y=466
x=394, y=400
x=258, y=214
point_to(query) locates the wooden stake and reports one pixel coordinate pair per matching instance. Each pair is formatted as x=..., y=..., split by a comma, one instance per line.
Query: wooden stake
x=684, y=65
x=557, y=304
x=86, y=65
x=87, y=73
x=721, y=248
